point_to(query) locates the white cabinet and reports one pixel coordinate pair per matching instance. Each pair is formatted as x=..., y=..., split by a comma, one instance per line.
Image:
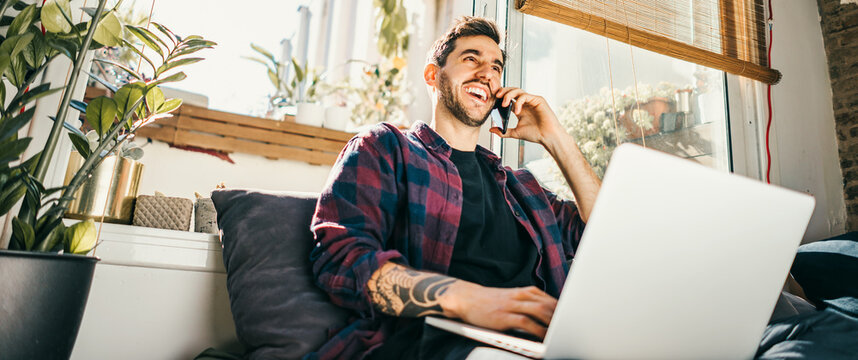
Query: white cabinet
x=157, y=294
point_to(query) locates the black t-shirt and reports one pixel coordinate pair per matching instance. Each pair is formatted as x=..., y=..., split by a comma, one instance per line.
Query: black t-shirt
x=491, y=248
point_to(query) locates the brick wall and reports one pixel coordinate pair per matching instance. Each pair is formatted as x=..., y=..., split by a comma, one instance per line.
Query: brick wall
x=839, y=20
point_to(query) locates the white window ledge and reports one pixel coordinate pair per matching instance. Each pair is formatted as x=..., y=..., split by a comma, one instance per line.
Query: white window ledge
x=138, y=246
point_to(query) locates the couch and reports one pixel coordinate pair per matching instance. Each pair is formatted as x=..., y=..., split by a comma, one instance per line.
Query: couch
x=279, y=313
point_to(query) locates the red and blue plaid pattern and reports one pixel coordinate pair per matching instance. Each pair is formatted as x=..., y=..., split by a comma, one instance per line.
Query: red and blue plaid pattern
x=396, y=196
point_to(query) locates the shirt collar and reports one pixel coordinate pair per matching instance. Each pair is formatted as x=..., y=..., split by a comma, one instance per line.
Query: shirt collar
x=436, y=143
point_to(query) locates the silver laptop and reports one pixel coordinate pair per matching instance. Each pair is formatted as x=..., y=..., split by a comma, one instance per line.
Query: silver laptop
x=678, y=261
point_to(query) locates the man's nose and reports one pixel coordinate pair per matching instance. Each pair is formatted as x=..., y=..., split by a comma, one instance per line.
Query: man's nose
x=487, y=74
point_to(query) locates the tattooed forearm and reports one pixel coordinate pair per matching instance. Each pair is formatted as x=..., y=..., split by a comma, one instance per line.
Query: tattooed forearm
x=400, y=291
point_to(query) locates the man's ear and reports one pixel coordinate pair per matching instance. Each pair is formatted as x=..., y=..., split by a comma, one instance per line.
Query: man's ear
x=430, y=74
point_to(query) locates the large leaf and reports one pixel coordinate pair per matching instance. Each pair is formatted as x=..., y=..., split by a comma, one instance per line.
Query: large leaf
x=101, y=81
x=299, y=72
x=198, y=41
x=22, y=234
x=23, y=20
x=109, y=30
x=17, y=71
x=130, y=46
x=11, y=126
x=167, y=32
x=70, y=127
x=192, y=37
x=31, y=204
x=127, y=96
x=190, y=50
x=147, y=40
x=34, y=94
x=100, y=114
x=36, y=50
x=13, y=45
x=155, y=37
x=66, y=47
x=179, y=76
x=80, y=144
x=11, y=193
x=12, y=150
x=170, y=105
x=29, y=165
x=274, y=78
x=154, y=99
x=78, y=105
x=80, y=238
x=53, y=18
x=264, y=52
x=172, y=64
x=50, y=233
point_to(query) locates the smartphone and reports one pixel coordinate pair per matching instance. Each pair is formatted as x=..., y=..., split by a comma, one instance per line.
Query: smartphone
x=500, y=115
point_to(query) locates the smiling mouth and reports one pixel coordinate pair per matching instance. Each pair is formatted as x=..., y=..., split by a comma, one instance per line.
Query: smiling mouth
x=477, y=93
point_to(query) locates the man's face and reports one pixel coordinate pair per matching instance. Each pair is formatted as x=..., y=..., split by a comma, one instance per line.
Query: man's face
x=469, y=79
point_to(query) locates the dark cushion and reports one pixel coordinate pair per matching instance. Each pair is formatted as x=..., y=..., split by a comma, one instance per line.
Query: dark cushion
x=827, y=271
x=279, y=312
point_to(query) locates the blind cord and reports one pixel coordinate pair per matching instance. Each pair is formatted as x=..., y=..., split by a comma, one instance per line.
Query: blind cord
x=769, y=98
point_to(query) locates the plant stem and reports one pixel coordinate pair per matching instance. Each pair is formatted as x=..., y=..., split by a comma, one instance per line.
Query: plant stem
x=54, y=137
x=95, y=158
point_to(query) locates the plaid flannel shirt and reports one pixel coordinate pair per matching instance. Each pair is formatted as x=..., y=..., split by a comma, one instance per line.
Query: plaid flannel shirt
x=395, y=196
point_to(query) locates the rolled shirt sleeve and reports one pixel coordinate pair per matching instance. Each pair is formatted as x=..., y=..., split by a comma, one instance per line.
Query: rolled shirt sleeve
x=354, y=217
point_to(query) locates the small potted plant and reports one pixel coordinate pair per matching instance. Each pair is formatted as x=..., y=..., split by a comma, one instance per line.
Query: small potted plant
x=44, y=274
x=297, y=88
x=108, y=194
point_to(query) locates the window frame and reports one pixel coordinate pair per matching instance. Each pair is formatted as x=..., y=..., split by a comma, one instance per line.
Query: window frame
x=745, y=100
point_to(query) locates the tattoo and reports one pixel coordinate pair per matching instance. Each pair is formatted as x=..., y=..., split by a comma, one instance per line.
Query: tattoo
x=400, y=291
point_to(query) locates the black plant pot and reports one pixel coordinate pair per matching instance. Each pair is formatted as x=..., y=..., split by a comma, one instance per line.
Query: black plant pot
x=42, y=298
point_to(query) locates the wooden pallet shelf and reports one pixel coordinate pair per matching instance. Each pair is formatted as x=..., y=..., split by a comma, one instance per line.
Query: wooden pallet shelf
x=229, y=132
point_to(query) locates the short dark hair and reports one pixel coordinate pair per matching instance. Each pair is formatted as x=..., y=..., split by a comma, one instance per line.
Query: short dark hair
x=462, y=27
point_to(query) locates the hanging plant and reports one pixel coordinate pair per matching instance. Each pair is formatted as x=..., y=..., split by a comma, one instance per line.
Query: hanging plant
x=391, y=28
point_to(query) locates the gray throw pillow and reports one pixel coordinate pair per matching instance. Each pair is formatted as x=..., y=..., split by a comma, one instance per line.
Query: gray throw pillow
x=278, y=311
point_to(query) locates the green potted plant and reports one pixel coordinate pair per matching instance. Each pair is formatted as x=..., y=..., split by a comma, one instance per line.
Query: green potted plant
x=297, y=87
x=380, y=93
x=45, y=275
x=109, y=193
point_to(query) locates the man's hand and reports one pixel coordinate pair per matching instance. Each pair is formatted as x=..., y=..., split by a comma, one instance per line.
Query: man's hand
x=527, y=309
x=401, y=291
x=536, y=121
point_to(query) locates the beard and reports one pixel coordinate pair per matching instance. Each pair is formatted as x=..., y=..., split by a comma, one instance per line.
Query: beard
x=455, y=106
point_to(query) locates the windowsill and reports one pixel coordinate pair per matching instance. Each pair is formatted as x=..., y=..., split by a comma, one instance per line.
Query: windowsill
x=138, y=246
x=199, y=127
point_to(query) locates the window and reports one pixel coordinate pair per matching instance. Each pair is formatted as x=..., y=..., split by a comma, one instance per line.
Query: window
x=606, y=93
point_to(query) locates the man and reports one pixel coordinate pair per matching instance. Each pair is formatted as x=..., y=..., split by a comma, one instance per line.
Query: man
x=428, y=223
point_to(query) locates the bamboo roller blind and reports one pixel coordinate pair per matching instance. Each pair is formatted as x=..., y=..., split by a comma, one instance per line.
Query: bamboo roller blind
x=728, y=35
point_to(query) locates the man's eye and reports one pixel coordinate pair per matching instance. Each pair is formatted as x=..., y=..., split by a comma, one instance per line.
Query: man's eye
x=497, y=68
x=470, y=58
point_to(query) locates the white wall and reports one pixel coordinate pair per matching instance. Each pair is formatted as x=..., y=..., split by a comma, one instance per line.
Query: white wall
x=805, y=143
x=180, y=173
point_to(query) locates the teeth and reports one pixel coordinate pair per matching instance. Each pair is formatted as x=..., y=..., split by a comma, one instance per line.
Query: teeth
x=477, y=91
